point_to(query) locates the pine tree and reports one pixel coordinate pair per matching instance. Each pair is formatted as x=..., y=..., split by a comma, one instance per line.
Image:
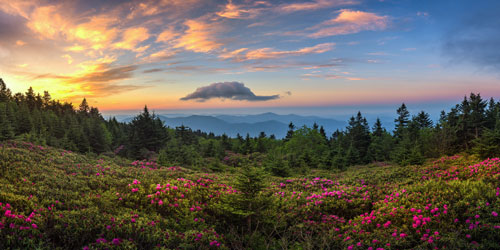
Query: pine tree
x=488, y=145
x=423, y=120
x=358, y=133
x=5, y=93
x=251, y=182
x=315, y=126
x=247, y=147
x=477, y=115
x=84, y=107
x=289, y=133
x=402, y=120
x=30, y=98
x=491, y=113
x=147, y=132
x=24, y=119
x=46, y=99
x=6, y=130
x=352, y=156
x=99, y=137
x=377, y=128
x=323, y=133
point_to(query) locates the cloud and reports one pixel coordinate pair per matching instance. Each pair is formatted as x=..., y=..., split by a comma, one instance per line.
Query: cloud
x=233, y=11
x=20, y=43
x=68, y=58
x=97, y=79
x=326, y=65
x=475, y=40
x=308, y=76
x=47, y=22
x=199, y=37
x=245, y=54
x=131, y=38
x=159, y=56
x=349, y=22
x=98, y=32
x=104, y=73
x=152, y=71
x=167, y=36
x=314, y=5
x=148, y=8
x=227, y=90
x=194, y=69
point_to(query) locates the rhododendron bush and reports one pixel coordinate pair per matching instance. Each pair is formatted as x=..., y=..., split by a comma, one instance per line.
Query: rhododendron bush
x=53, y=199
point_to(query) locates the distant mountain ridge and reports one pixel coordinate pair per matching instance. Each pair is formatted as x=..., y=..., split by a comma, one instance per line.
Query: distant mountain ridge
x=231, y=125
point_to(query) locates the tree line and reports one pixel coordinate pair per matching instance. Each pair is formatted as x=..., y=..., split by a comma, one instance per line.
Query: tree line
x=472, y=126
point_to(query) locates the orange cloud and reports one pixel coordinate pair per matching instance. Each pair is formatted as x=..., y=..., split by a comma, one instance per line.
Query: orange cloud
x=349, y=22
x=97, y=33
x=96, y=79
x=167, y=36
x=199, y=37
x=131, y=38
x=268, y=53
x=56, y=22
x=18, y=7
x=233, y=11
x=75, y=48
x=68, y=58
x=314, y=5
x=47, y=22
x=20, y=43
x=156, y=7
x=160, y=56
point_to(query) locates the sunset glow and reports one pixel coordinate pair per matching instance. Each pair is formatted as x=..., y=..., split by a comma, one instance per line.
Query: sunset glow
x=121, y=55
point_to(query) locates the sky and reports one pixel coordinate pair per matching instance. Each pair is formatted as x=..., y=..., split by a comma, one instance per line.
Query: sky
x=294, y=56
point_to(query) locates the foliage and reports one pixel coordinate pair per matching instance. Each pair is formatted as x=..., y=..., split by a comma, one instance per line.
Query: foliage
x=57, y=199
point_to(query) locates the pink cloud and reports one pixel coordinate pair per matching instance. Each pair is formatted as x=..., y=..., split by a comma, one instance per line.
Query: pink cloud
x=349, y=22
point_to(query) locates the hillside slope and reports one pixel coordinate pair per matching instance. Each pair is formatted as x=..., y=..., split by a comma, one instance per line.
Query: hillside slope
x=56, y=199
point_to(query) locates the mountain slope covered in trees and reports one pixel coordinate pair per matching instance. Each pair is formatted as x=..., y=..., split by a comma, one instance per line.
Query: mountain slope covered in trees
x=472, y=126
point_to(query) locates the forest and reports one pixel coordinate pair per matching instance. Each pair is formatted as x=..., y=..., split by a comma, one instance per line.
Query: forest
x=472, y=126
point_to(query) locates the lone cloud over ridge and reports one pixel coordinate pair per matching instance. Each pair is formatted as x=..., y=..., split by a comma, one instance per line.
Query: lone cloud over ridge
x=227, y=90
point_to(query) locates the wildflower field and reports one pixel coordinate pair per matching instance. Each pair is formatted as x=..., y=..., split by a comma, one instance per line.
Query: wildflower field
x=56, y=199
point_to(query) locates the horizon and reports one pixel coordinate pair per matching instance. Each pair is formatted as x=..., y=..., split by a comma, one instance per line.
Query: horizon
x=341, y=113
x=317, y=57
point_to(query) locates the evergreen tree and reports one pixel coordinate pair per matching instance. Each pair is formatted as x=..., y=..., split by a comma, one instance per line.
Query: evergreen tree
x=84, y=107
x=377, y=129
x=322, y=132
x=488, y=145
x=30, y=98
x=477, y=115
x=5, y=93
x=289, y=133
x=146, y=132
x=6, y=130
x=491, y=113
x=46, y=99
x=24, y=119
x=402, y=120
x=225, y=142
x=423, y=120
x=315, y=126
x=247, y=146
x=358, y=133
x=100, y=138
